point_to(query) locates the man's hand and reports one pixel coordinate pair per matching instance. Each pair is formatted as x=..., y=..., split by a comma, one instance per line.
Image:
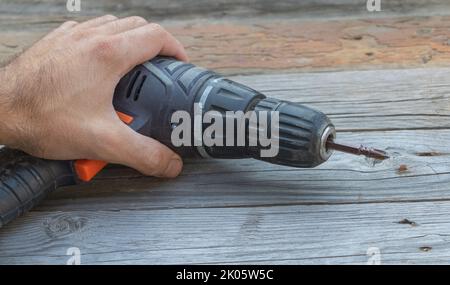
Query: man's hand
x=56, y=98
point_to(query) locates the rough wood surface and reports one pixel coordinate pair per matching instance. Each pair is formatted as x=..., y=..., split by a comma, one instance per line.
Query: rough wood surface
x=246, y=211
x=308, y=234
x=185, y=9
x=403, y=111
x=268, y=213
x=249, y=39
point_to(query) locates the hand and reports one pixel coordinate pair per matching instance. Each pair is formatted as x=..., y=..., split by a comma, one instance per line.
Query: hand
x=56, y=98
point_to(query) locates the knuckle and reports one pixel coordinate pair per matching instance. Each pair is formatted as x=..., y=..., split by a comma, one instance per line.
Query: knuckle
x=112, y=26
x=69, y=23
x=105, y=48
x=137, y=20
x=110, y=17
x=157, y=28
x=79, y=34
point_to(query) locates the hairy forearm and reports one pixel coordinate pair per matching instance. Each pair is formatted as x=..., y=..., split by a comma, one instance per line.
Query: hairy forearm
x=8, y=117
x=4, y=132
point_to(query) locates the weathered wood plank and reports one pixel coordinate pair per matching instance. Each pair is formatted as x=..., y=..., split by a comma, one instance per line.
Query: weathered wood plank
x=367, y=100
x=225, y=8
x=343, y=179
x=281, y=235
x=318, y=45
x=395, y=99
x=243, y=46
x=267, y=213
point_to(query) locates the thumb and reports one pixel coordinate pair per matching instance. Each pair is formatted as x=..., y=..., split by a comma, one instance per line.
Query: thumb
x=145, y=154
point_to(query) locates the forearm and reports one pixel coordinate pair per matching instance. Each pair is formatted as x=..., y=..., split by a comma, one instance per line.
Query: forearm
x=7, y=115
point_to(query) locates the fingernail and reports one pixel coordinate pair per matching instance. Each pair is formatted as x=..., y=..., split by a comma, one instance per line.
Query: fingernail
x=174, y=167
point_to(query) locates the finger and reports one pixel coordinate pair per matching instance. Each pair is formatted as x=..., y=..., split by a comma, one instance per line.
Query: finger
x=92, y=23
x=146, y=42
x=121, y=25
x=66, y=26
x=144, y=154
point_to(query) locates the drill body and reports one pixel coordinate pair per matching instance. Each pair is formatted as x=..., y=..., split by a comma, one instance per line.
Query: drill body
x=153, y=91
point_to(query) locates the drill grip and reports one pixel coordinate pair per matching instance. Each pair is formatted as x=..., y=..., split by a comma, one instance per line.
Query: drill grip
x=25, y=180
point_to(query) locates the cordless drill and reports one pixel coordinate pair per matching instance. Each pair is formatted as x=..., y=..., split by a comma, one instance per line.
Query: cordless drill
x=145, y=99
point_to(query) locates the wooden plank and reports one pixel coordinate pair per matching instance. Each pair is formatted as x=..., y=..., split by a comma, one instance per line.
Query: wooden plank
x=395, y=99
x=241, y=45
x=267, y=213
x=305, y=45
x=367, y=100
x=338, y=234
x=343, y=179
x=225, y=8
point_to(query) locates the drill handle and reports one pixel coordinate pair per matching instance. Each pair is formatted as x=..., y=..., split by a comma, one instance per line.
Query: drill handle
x=25, y=180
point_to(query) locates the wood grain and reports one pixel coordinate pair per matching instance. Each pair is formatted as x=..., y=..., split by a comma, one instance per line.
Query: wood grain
x=268, y=213
x=342, y=179
x=246, y=211
x=367, y=100
x=256, y=41
x=225, y=9
x=318, y=45
x=402, y=111
x=269, y=235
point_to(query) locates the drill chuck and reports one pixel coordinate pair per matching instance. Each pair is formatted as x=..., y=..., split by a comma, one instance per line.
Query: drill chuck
x=302, y=134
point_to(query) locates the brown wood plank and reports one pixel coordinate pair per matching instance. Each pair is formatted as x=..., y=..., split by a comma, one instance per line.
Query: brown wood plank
x=288, y=43
x=318, y=45
x=183, y=9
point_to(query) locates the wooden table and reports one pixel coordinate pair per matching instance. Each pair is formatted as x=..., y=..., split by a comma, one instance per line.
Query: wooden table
x=381, y=77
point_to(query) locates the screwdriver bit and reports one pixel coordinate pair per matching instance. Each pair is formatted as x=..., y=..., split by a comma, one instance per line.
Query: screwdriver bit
x=362, y=150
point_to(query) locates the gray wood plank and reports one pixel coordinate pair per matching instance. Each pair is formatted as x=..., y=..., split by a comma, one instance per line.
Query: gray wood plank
x=265, y=213
x=274, y=214
x=424, y=149
x=367, y=100
x=283, y=235
x=343, y=179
